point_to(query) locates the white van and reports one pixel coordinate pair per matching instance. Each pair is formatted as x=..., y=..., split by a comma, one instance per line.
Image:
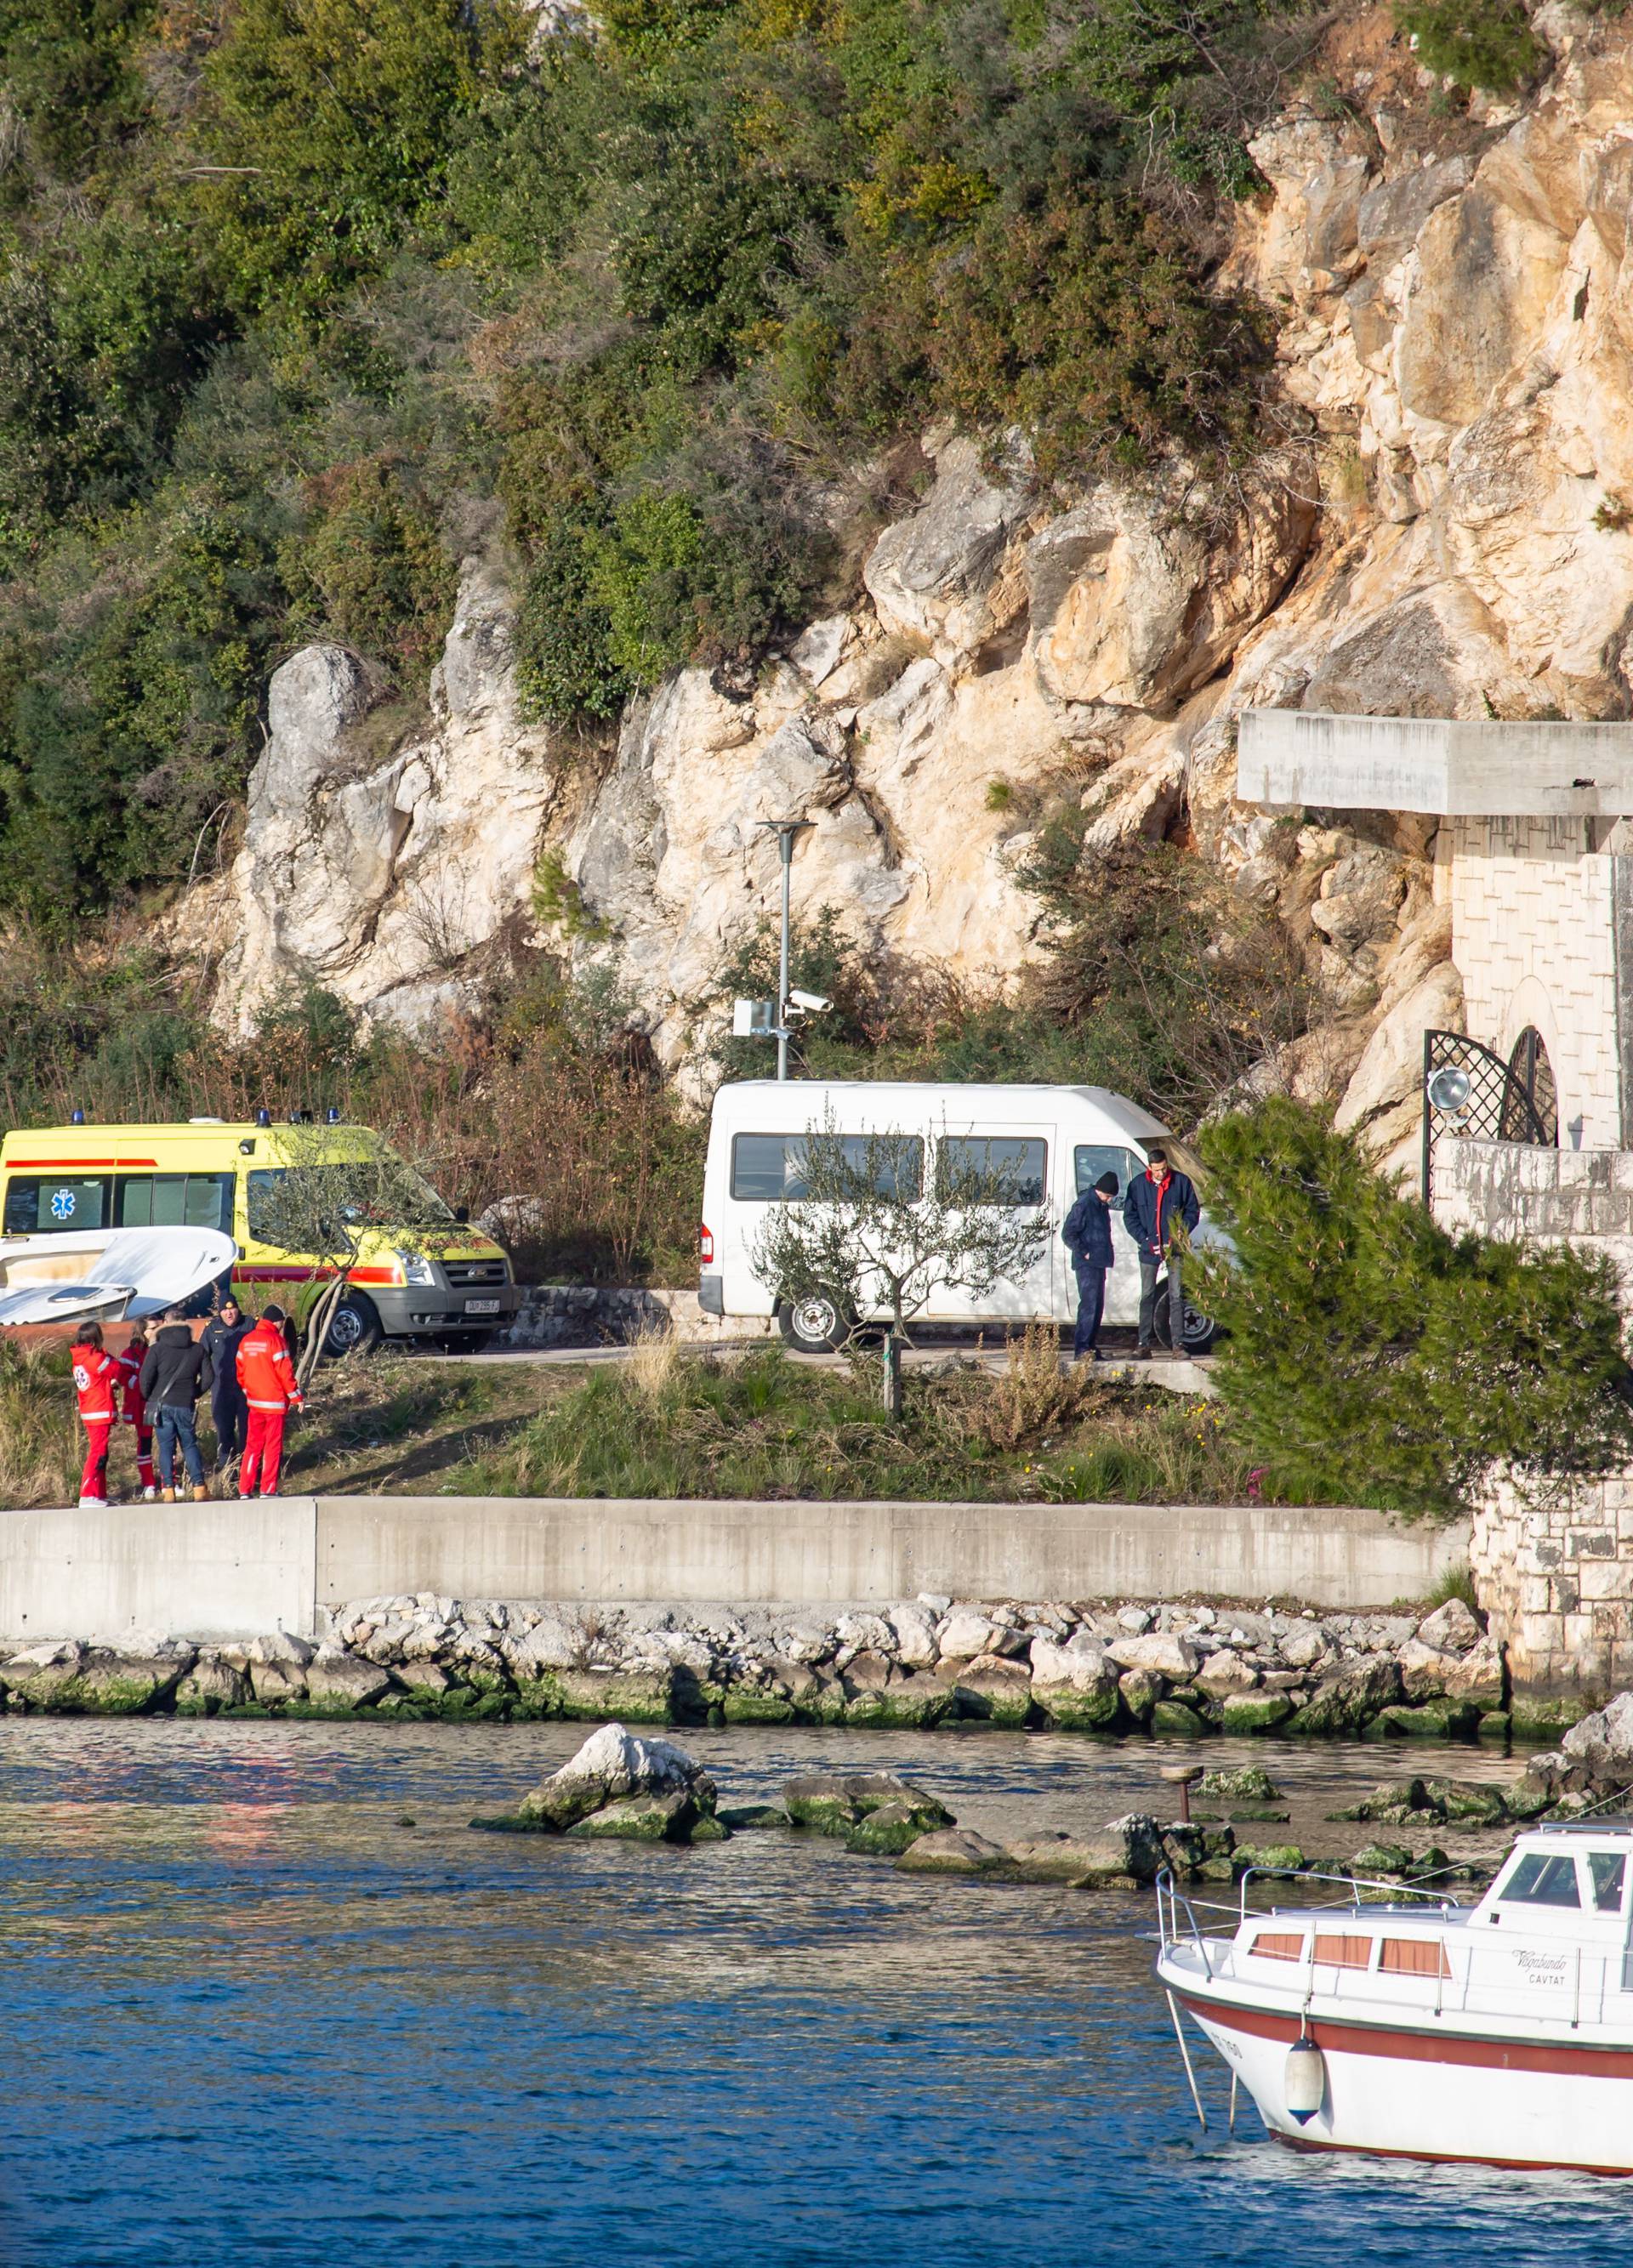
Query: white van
x=1052, y=1142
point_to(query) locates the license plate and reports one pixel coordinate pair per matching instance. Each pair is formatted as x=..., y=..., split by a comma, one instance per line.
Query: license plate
x=482, y=1307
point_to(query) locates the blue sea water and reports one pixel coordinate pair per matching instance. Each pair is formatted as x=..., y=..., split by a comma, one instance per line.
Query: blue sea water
x=252, y=2014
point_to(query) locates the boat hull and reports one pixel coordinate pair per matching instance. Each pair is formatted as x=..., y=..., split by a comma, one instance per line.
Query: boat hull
x=1433, y=2092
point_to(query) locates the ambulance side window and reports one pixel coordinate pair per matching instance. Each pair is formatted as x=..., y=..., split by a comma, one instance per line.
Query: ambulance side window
x=260, y=1196
x=177, y=1201
x=46, y=1203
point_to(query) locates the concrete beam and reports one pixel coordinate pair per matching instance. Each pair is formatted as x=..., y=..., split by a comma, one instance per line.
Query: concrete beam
x=824, y=1553
x=235, y=1570
x=1446, y=766
x=197, y=1571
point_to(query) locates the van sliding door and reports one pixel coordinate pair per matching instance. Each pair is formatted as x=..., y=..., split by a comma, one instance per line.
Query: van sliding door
x=1019, y=1161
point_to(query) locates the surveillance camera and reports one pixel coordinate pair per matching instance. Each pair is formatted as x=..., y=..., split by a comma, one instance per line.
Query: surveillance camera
x=813, y=1003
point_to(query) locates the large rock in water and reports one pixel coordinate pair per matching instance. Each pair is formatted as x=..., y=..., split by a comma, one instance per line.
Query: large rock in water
x=1128, y=1850
x=837, y=1803
x=616, y=1773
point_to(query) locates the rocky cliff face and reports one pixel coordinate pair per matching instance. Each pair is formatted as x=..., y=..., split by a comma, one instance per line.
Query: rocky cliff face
x=1448, y=530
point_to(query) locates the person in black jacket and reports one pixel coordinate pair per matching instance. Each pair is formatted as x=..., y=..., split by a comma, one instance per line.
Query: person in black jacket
x=175, y=1373
x=1158, y=1205
x=230, y=1411
x=1087, y=1235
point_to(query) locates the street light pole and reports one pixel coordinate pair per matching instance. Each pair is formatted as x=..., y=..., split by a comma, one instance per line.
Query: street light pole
x=786, y=829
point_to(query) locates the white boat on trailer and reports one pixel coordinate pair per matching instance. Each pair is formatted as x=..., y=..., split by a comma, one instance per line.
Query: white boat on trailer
x=1499, y=2033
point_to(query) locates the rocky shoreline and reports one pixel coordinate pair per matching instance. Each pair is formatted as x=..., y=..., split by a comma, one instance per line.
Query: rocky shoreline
x=1172, y=1670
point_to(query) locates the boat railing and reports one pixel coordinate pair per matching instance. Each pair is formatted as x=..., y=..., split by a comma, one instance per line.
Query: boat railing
x=1389, y=1893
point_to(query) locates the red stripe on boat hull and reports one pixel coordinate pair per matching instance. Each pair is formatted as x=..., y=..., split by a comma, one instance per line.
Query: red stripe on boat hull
x=1419, y=2047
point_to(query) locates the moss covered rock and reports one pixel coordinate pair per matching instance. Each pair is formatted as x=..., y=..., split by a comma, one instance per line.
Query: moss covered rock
x=953, y=1850
x=834, y=1803
x=672, y=1818
x=1177, y=1721
x=887, y=1830
x=639, y=1697
x=1244, y=1715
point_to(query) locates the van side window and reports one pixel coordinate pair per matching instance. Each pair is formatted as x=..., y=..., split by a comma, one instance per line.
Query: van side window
x=770, y=1168
x=1010, y=1169
x=1090, y=1160
x=176, y=1201
x=45, y=1205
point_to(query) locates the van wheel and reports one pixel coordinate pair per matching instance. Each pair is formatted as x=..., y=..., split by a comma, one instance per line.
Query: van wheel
x=1200, y=1331
x=816, y=1324
x=353, y=1329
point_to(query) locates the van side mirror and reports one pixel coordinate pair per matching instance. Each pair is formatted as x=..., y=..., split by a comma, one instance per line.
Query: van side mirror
x=462, y=1213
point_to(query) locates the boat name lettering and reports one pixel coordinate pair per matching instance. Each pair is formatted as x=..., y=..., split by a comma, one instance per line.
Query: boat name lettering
x=1549, y=1967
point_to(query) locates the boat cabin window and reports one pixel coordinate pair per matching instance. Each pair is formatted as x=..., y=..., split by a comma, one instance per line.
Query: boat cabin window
x=1542, y=1878
x=44, y=1205
x=1414, y=1956
x=995, y=1169
x=770, y=1168
x=1090, y=1160
x=1606, y=1869
x=1344, y=1952
x=1279, y=1945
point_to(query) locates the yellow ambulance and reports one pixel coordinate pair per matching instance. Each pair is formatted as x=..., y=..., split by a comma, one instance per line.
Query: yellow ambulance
x=433, y=1276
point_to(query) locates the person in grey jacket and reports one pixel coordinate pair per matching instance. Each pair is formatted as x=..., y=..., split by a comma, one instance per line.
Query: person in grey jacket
x=1086, y=1233
x=175, y=1374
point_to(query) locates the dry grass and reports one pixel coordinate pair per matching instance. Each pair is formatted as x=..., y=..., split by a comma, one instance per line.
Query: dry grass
x=655, y=1352
x=41, y=1442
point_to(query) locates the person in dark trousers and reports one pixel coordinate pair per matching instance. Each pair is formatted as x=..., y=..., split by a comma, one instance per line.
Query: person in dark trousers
x=175, y=1373
x=1159, y=1204
x=1087, y=1235
x=223, y=1334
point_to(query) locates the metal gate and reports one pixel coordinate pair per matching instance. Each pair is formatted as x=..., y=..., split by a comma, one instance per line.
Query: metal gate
x=1468, y=1089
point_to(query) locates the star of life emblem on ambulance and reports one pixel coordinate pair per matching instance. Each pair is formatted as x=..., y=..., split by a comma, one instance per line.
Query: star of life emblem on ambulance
x=62, y=1205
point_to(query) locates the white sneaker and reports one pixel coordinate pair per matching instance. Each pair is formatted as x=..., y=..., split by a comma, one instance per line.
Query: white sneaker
x=93, y=1504
x=149, y=1496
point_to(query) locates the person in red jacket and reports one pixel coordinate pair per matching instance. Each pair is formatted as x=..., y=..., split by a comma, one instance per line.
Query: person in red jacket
x=268, y=1377
x=96, y=1386
x=135, y=1408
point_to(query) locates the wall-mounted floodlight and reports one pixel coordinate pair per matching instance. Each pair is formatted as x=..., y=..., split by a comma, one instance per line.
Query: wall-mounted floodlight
x=1451, y=1090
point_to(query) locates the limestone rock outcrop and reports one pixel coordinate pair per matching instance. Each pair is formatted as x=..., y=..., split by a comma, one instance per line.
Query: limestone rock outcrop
x=1445, y=529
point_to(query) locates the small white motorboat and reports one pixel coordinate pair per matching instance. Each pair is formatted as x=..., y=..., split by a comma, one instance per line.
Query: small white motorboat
x=106, y=1273
x=1500, y=2033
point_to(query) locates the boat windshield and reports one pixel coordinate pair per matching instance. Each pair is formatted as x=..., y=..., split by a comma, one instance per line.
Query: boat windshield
x=1607, y=1868
x=1542, y=1878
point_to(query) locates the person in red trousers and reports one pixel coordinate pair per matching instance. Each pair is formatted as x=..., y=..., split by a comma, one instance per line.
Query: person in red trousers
x=267, y=1375
x=135, y=1408
x=96, y=1385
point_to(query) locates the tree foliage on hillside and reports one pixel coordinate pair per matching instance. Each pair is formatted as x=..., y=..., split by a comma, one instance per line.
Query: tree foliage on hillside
x=1371, y=1358
x=294, y=289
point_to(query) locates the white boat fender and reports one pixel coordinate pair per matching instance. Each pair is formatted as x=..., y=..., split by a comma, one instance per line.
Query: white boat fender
x=1306, y=2080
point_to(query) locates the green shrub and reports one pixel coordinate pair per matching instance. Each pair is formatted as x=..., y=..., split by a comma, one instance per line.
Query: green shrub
x=1372, y=1359
x=1476, y=43
x=370, y=567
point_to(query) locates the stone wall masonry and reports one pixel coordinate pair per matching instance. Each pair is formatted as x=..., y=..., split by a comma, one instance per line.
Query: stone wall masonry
x=1529, y=1194
x=604, y=1314
x=1555, y=1578
x=1532, y=932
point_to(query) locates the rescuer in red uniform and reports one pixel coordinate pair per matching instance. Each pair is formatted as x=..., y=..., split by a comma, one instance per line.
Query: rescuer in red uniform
x=96, y=1386
x=133, y=1408
x=268, y=1377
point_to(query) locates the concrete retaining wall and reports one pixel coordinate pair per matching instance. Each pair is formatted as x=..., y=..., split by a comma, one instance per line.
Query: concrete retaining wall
x=598, y=1315
x=231, y=1570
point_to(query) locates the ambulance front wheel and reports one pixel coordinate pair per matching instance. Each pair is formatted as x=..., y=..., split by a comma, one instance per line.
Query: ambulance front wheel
x=353, y=1329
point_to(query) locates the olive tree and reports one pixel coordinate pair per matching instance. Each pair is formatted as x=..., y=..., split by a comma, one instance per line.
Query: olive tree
x=328, y=1190
x=864, y=1230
